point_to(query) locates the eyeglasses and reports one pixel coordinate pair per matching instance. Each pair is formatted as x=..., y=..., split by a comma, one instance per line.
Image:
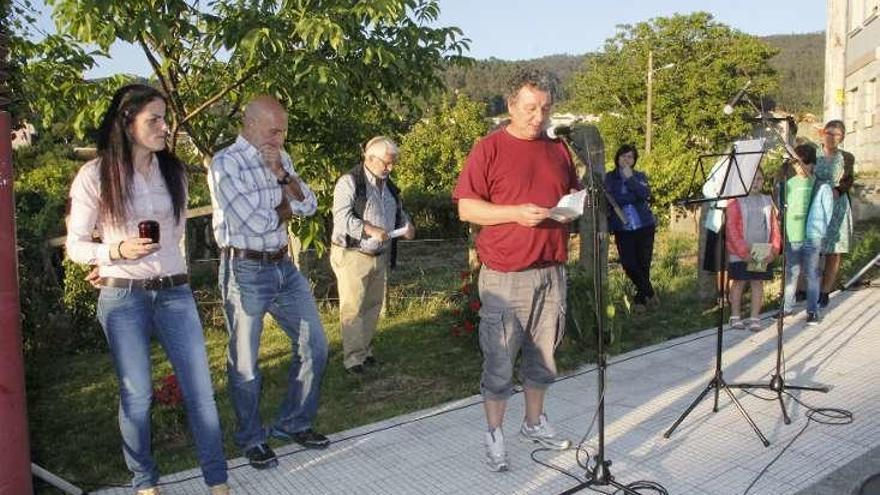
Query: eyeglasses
x=384, y=162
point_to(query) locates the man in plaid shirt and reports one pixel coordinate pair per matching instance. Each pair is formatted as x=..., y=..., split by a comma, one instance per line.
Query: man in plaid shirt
x=255, y=191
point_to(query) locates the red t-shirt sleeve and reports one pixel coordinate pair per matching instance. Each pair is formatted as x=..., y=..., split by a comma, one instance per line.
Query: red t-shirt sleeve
x=473, y=182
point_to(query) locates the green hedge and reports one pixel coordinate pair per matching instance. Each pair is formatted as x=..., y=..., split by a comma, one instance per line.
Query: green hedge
x=434, y=215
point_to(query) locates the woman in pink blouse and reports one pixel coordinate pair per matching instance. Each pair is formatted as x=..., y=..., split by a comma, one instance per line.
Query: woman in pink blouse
x=144, y=283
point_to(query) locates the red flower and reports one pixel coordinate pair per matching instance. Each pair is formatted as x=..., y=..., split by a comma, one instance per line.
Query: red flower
x=456, y=311
x=168, y=392
x=474, y=305
x=465, y=275
x=465, y=289
x=468, y=326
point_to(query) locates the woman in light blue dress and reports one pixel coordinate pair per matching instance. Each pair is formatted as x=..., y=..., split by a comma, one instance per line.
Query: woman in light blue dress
x=835, y=167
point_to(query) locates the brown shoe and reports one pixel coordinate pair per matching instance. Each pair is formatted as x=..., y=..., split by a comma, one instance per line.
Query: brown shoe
x=153, y=490
x=220, y=489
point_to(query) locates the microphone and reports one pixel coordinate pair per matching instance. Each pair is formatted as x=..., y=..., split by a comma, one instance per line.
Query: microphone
x=728, y=109
x=554, y=132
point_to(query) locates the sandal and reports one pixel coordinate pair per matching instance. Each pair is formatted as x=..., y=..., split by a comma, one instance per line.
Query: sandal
x=754, y=325
x=736, y=323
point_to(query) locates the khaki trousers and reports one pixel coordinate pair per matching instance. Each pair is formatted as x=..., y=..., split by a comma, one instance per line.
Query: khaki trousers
x=361, y=282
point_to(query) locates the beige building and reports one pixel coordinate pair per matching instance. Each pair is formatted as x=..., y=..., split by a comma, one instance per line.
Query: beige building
x=852, y=68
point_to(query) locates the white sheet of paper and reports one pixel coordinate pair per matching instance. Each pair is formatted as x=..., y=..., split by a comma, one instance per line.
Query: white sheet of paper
x=397, y=232
x=569, y=206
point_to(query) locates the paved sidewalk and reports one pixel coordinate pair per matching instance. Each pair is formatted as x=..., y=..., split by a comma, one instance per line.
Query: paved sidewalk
x=440, y=451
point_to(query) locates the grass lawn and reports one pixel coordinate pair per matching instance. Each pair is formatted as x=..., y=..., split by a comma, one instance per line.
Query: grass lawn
x=72, y=399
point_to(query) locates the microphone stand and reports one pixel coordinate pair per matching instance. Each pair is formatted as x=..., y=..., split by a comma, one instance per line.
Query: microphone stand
x=600, y=475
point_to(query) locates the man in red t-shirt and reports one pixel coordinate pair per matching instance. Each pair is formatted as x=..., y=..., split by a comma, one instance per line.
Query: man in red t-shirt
x=510, y=180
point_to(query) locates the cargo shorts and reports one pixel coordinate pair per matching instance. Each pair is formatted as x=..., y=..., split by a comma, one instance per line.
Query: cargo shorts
x=522, y=312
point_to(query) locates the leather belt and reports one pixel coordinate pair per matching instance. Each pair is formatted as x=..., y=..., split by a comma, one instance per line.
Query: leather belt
x=250, y=254
x=155, y=283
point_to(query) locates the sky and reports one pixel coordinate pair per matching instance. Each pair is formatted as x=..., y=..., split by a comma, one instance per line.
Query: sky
x=517, y=30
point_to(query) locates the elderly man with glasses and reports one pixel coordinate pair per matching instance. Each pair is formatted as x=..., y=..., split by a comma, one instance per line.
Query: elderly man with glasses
x=368, y=216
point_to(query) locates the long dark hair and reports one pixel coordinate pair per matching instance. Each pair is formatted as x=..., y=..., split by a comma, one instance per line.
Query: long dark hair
x=115, y=151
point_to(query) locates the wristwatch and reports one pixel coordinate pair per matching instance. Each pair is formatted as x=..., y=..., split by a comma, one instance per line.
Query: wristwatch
x=287, y=179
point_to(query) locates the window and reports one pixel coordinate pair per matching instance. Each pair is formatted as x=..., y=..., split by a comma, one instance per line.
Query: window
x=869, y=102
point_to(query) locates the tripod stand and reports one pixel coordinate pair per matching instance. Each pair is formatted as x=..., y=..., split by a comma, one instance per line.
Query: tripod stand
x=600, y=475
x=777, y=382
x=726, y=190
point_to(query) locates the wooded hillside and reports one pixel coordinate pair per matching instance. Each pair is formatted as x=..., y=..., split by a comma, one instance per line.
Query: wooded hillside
x=800, y=64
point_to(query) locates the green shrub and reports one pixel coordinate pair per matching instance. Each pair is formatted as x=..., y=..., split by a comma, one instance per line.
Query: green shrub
x=434, y=215
x=57, y=309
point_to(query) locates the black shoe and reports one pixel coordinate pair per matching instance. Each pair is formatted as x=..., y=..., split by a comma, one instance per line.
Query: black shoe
x=800, y=295
x=823, y=300
x=370, y=362
x=310, y=439
x=357, y=369
x=812, y=319
x=261, y=457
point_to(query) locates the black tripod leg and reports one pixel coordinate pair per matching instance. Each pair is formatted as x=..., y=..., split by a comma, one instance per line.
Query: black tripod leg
x=712, y=384
x=744, y=414
x=801, y=387
x=785, y=417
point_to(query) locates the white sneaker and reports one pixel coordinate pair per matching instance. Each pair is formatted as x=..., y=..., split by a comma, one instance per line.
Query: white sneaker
x=544, y=434
x=496, y=456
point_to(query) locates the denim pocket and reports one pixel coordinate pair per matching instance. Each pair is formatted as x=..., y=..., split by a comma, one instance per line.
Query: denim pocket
x=113, y=293
x=246, y=271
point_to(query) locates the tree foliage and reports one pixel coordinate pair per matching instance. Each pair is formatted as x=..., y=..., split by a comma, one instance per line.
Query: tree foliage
x=712, y=61
x=339, y=66
x=434, y=150
x=46, y=78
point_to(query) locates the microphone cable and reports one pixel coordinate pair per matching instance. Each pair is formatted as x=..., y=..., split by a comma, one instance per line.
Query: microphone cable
x=831, y=416
x=584, y=464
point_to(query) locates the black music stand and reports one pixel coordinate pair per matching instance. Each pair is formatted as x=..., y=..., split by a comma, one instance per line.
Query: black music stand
x=727, y=178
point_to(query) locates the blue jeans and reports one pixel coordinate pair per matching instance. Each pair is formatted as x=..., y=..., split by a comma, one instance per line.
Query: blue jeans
x=129, y=318
x=250, y=289
x=802, y=257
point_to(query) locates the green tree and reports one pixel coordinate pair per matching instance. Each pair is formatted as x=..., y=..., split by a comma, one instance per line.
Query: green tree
x=334, y=63
x=46, y=79
x=434, y=150
x=344, y=70
x=712, y=61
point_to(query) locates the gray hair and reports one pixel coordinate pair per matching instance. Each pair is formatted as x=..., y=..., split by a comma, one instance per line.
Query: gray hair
x=379, y=146
x=543, y=81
